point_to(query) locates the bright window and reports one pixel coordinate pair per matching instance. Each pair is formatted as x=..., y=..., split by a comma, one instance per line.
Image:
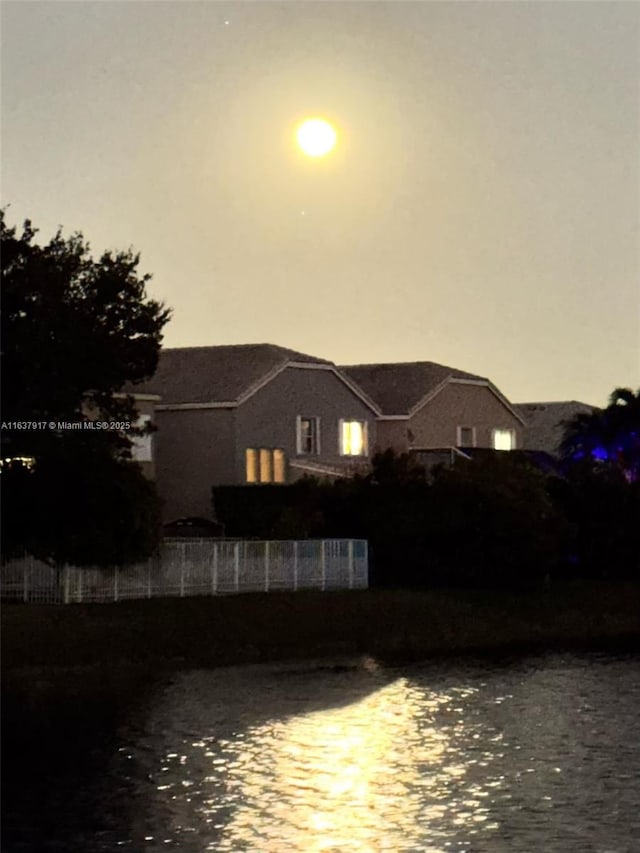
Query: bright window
x=279, y=468
x=265, y=465
x=141, y=445
x=308, y=436
x=252, y=465
x=466, y=436
x=353, y=438
x=504, y=439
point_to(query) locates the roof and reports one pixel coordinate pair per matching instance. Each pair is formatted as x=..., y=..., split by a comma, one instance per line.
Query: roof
x=544, y=422
x=217, y=374
x=398, y=388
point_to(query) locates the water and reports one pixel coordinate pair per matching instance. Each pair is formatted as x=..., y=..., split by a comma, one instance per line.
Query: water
x=536, y=755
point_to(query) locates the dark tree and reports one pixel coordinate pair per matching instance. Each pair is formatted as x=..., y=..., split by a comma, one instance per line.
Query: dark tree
x=608, y=438
x=75, y=332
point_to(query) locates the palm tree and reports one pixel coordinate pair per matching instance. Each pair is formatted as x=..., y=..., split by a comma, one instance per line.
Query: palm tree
x=610, y=435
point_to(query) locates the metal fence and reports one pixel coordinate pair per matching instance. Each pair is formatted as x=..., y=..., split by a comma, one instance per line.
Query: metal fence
x=196, y=567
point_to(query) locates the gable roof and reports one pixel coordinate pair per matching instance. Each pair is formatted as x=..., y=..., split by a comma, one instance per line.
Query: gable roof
x=544, y=422
x=222, y=374
x=399, y=388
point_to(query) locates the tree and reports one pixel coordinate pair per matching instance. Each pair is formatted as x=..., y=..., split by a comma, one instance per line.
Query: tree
x=609, y=437
x=75, y=332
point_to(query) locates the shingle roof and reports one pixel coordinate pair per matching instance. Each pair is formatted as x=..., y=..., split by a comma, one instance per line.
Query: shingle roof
x=216, y=374
x=397, y=388
x=544, y=422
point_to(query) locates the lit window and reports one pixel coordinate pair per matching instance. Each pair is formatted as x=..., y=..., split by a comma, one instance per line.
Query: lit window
x=252, y=465
x=504, y=439
x=141, y=444
x=279, y=468
x=308, y=436
x=466, y=436
x=265, y=465
x=353, y=438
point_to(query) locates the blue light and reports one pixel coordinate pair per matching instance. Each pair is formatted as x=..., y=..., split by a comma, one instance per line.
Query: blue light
x=600, y=453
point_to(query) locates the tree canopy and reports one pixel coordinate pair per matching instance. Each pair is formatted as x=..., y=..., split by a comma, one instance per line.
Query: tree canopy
x=609, y=437
x=76, y=331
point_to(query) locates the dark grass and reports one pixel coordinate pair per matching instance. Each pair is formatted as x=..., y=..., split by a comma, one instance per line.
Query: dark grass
x=206, y=631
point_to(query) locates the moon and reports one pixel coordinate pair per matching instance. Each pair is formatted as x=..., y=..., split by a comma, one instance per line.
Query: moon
x=316, y=137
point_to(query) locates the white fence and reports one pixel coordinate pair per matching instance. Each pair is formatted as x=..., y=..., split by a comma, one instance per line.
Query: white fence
x=196, y=567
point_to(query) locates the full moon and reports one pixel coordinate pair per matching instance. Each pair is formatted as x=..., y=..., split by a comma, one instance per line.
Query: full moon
x=316, y=137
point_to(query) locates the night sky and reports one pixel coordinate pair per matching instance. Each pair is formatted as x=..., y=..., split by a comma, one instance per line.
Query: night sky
x=481, y=208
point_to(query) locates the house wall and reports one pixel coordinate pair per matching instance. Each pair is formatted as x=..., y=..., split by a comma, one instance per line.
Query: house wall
x=392, y=434
x=462, y=405
x=194, y=451
x=268, y=418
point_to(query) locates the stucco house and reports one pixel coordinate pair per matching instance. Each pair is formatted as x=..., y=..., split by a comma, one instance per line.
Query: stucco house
x=255, y=413
x=434, y=411
x=545, y=423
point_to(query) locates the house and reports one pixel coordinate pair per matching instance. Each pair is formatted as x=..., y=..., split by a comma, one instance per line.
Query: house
x=255, y=413
x=435, y=412
x=545, y=423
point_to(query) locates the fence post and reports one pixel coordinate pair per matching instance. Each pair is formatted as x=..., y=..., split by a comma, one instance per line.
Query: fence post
x=65, y=583
x=295, y=566
x=148, y=578
x=266, y=566
x=366, y=564
x=214, y=570
x=350, y=552
x=323, y=564
x=25, y=582
x=183, y=564
x=115, y=583
x=236, y=566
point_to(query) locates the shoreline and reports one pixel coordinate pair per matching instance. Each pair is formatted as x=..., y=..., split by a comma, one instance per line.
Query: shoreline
x=201, y=632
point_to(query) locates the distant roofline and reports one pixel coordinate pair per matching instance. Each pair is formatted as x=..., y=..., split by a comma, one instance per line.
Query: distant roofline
x=556, y=403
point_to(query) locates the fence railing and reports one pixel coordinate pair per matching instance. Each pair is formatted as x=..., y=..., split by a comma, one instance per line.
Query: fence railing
x=188, y=567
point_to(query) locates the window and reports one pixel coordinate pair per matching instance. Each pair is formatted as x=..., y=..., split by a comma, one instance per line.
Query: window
x=504, y=439
x=308, y=436
x=466, y=436
x=265, y=465
x=141, y=445
x=252, y=465
x=353, y=438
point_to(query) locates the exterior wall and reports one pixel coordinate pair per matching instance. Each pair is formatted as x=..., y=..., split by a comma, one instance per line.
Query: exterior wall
x=435, y=425
x=194, y=451
x=268, y=418
x=147, y=407
x=392, y=434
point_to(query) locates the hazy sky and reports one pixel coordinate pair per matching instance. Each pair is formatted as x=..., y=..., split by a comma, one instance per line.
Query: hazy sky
x=482, y=208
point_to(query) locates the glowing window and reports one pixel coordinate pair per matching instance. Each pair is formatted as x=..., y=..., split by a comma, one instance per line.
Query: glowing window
x=353, y=438
x=504, y=439
x=308, y=436
x=266, y=465
x=252, y=465
x=279, y=468
x=141, y=445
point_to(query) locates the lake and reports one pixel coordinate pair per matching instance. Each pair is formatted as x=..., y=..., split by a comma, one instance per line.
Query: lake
x=540, y=754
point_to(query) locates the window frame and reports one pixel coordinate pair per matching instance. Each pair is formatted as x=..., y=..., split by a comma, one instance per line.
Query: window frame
x=459, y=443
x=315, y=451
